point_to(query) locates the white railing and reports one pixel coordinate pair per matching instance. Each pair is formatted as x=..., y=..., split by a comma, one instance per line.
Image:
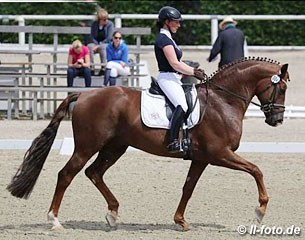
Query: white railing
x=65, y=146
x=118, y=18
x=290, y=112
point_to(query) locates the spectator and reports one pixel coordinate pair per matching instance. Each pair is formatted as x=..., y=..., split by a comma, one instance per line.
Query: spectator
x=101, y=32
x=78, y=63
x=117, y=59
x=87, y=23
x=229, y=43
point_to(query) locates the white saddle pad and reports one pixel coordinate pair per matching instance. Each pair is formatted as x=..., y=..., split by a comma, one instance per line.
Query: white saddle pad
x=153, y=110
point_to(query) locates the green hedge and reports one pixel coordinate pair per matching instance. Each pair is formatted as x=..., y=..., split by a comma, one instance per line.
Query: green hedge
x=258, y=32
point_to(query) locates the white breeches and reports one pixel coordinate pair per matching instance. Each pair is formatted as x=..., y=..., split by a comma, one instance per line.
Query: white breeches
x=171, y=85
x=117, y=69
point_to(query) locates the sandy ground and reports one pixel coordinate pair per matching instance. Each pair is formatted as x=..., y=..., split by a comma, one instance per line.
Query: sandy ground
x=254, y=130
x=149, y=189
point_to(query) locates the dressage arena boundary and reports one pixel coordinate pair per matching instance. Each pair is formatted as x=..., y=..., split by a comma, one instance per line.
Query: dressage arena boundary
x=66, y=146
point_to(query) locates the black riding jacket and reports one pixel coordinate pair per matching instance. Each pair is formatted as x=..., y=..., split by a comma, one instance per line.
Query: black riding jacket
x=230, y=45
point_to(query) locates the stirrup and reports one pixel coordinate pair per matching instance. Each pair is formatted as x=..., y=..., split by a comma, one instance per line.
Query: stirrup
x=187, y=149
x=186, y=144
x=175, y=146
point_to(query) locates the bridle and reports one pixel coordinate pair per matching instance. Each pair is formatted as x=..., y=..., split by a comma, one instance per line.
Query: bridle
x=267, y=107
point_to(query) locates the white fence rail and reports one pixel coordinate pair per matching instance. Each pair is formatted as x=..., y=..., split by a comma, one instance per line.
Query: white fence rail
x=118, y=20
x=66, y=146
x=290, y=112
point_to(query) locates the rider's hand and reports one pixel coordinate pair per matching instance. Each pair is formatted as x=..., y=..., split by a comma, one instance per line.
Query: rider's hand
x=200, y=74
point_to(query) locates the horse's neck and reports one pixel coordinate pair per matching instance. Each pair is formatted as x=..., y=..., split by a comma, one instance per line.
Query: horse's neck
x=240, y=82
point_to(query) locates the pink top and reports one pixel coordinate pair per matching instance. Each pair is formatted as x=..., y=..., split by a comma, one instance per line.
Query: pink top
x=81, y=55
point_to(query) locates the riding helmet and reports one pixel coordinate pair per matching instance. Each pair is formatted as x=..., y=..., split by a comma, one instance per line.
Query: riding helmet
x=169, y=13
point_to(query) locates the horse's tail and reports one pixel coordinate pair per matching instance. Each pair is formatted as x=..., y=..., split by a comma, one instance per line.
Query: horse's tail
x=24, y=180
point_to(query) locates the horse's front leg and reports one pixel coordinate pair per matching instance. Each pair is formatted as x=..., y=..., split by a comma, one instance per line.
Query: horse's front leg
x=231, y=160
x=193, y=175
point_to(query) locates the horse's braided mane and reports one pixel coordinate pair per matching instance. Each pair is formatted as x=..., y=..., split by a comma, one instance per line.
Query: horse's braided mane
x=264, y=59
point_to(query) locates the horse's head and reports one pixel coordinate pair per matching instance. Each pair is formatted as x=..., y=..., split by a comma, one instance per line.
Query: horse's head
x=271, y=93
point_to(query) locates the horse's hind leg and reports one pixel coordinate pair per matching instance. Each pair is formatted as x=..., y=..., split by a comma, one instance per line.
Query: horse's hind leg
x=65, y=176
x=95, y=172
x=233, y=161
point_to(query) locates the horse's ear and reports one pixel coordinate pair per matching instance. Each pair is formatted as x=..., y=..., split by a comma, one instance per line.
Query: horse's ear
x=283, y=70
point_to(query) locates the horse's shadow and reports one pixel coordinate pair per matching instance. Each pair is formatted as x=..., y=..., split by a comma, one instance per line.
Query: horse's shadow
x=85, y=225
x=101, y=226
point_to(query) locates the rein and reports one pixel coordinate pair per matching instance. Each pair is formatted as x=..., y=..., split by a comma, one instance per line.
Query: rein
x=266, y=107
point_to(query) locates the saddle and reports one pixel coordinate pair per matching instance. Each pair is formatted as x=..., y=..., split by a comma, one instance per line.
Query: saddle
x=186, y=141
x=156, y=90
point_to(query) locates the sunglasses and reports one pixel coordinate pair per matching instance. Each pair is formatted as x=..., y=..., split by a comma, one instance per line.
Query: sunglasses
x=117, y=37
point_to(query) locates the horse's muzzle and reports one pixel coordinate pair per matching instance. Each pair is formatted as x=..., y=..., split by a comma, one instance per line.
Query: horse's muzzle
x=274, y=119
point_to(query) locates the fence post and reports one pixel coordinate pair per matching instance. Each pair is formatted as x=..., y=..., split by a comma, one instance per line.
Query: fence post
x=117, y=21
x=214, y=28
x=21, y=35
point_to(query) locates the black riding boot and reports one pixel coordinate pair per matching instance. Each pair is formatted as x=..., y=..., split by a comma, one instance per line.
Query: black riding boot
x=176, y=123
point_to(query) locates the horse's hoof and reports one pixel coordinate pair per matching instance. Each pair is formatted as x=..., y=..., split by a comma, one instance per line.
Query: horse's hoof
x=259, y=214
x=56, y=224
x=111, y=218
x=184, y=226
x=57, y=228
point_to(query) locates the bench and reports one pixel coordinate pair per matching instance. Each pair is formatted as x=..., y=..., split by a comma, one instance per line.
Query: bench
x=56, y=30
x=36, y=97
x=7, y=80
x=49, y=79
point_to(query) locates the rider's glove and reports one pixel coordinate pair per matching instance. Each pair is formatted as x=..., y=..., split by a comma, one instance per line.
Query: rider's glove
x=200, y=74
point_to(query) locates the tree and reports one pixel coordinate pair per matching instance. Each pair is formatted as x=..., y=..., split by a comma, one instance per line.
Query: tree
x=192, y=32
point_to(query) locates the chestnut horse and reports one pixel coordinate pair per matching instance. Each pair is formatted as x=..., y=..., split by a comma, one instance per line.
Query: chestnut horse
x=104, y=120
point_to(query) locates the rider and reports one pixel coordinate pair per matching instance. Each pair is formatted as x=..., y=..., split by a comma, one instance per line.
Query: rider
x=168, y=56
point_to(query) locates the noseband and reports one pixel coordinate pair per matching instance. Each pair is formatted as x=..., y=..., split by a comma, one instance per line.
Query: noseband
x=266, y=108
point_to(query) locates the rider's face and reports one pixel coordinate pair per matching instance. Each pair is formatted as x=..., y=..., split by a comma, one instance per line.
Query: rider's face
x=173, y=25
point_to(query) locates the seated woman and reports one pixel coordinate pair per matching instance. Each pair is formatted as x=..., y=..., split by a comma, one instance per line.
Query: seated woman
x=117, y=59
x=78, y=63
